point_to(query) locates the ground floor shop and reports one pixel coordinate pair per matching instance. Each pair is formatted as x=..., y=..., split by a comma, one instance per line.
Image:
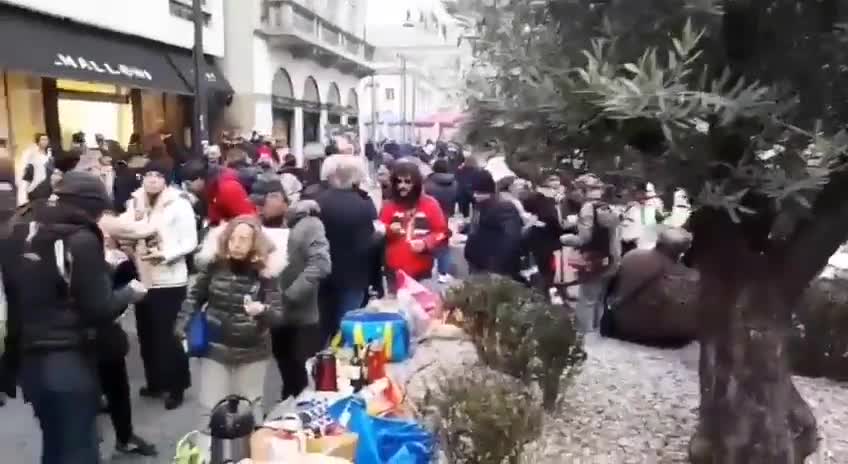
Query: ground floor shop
x=76, y=78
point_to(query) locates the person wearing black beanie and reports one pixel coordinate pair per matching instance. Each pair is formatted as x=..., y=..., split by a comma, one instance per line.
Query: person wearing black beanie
x=494, y=236
x=159, y=167
x=83, y=191
x=163, y=219
x=62, y=293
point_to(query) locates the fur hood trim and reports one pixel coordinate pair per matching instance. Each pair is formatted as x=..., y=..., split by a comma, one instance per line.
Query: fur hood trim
x=168, y=196
x=277, y=260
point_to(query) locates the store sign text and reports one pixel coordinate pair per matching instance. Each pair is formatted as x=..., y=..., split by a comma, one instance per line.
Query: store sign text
x=84, y=64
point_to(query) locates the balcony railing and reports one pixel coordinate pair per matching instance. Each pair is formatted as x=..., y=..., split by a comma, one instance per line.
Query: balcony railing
x=294, y=18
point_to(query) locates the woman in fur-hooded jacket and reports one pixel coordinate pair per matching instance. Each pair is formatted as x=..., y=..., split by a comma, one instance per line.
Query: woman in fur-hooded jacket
x=238, y=281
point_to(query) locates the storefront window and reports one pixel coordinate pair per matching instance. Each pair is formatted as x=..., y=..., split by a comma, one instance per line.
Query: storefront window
x=26, y=112
x=93, y=109
x=152, y=112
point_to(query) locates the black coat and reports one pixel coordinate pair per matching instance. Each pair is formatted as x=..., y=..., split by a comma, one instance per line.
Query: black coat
x=46, y=312
x=348, y=219
x=494, y=239
x=445, y=189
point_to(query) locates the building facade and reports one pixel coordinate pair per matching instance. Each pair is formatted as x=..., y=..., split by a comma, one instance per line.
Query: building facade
x=110, y=67
x=419, y=66
x=295, y=66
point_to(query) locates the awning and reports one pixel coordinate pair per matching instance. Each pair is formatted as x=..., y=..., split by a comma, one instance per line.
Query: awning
x=61, y=49
x=215, y=80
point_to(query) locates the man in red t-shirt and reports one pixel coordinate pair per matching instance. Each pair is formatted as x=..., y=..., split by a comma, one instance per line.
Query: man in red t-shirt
x=415, y=224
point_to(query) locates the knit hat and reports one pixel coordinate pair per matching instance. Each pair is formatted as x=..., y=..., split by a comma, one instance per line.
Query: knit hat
x=194, y=169
x=84, y=191
x=264, y=184
x=159, y=167
x=483, y=183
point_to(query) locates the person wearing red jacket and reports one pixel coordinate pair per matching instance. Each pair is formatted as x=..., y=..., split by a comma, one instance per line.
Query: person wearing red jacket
x=415, y=225
x=220, y=189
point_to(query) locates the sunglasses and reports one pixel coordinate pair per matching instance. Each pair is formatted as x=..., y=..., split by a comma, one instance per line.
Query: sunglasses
x=404, y=181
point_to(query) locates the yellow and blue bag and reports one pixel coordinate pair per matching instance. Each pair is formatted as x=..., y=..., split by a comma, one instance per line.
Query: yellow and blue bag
x=362, y=327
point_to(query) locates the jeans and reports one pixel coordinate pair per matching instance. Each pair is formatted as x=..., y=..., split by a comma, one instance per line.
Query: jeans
x=590, y=304
x=350, y=299
x=62, y=387
x=444, y=261
x=333, y=304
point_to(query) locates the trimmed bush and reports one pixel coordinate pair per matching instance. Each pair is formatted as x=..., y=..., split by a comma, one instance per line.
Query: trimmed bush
x=518, y=332
x=483, y=417
x=819, y=342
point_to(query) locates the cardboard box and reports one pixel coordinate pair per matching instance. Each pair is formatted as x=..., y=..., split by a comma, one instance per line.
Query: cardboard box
x=340, y=446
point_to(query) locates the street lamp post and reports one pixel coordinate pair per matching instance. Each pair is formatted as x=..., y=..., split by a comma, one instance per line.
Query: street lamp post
x=403, y=121
x=374, y=112
x=198, y=127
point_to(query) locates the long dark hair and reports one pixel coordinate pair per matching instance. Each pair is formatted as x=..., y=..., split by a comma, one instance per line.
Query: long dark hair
x=410, y=170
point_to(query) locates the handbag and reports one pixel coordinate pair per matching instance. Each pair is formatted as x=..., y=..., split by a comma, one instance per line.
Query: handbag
x=197, y=334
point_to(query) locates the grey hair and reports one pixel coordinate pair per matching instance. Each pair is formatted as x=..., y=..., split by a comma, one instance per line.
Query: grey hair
x=343, y=171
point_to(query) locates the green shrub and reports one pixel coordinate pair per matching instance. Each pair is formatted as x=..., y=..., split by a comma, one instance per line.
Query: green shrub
x=819, y=342
x=482, y=417
x=518, y=332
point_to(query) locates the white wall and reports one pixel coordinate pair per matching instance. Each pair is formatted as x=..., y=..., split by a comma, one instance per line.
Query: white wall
x=428, y=98
x=150, y=19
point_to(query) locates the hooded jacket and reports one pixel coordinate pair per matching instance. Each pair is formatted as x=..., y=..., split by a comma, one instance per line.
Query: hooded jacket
x=423, y=222
x=444, y=188
x=309, y=263
x=61, y=290
x=236, y=337
x=226, y=197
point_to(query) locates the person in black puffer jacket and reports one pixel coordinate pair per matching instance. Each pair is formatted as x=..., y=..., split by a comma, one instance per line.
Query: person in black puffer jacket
x=60, y=293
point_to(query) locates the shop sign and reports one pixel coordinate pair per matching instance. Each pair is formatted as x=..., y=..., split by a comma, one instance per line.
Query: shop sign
x=101, y=67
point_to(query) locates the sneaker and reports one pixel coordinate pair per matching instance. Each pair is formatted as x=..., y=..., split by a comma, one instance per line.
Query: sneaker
x=445, y=278
x=136, y=445
x=173, y=401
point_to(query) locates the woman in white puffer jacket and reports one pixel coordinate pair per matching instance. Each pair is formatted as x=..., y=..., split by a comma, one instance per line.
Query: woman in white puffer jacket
x=161, y=256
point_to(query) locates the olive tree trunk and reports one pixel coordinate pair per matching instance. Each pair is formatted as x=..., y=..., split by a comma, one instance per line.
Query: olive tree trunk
x=750, y=411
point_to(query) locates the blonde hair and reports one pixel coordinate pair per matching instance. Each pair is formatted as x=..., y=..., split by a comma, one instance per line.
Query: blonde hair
x=260, y=250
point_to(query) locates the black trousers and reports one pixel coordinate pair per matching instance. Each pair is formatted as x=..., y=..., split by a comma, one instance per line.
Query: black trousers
x=115, y=384
x=292, y=346
x=165, y=361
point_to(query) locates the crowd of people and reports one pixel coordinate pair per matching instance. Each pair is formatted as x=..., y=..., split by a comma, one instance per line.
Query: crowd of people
x=275, y=251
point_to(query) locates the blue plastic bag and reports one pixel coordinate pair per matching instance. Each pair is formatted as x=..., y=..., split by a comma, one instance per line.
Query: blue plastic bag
x=383, y=441
x=197, y=334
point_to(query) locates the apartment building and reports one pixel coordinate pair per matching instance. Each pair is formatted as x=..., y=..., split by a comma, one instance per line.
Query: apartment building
x=295, y=66
x=110, y=67
x=419, y=68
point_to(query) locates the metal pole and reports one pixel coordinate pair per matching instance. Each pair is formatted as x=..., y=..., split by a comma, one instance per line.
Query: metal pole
x=414, y=97
x=403, y=96
x=373, y=110
x=198, y=127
